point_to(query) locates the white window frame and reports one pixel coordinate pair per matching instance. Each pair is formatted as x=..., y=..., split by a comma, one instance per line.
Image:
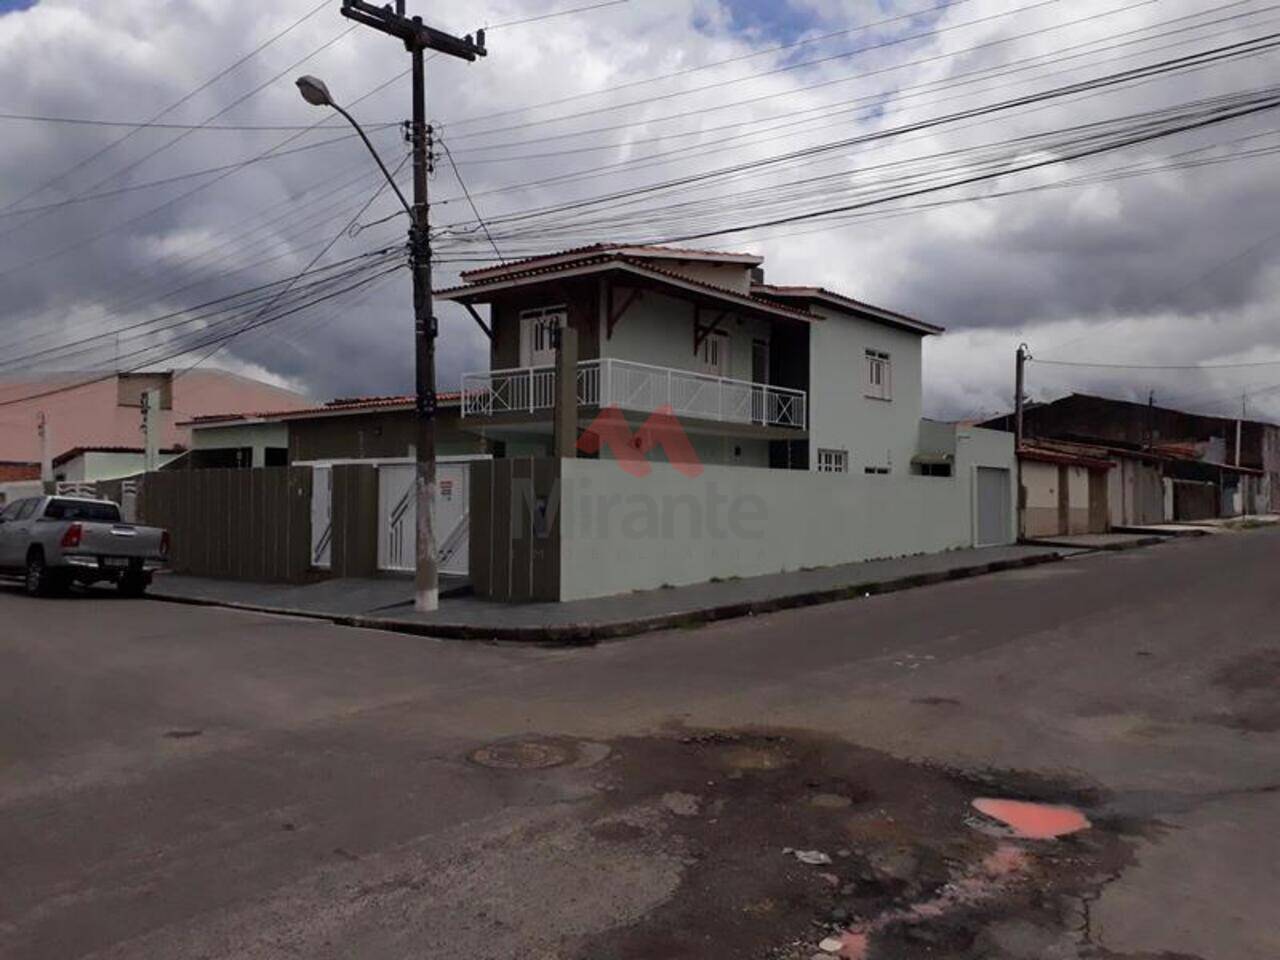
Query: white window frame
x=537, y=347
x=713, y=355
x=833, y=460
x=879, y=375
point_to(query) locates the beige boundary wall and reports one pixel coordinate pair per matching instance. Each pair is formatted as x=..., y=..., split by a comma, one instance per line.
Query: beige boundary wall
x=604, y=531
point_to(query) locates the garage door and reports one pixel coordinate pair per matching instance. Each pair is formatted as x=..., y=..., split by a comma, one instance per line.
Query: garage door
x=995, y=524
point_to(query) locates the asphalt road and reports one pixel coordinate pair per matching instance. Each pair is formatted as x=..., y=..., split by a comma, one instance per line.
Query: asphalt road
x=185, y=782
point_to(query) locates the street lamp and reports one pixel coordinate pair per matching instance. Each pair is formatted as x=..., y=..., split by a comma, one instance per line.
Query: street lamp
x=427, y=580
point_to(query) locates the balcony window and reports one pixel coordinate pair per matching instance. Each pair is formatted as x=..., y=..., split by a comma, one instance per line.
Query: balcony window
x=879, y=376
x=537, y=335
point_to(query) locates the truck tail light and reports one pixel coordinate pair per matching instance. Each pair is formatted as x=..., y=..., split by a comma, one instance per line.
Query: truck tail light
x=164, y=544
x=72, y=537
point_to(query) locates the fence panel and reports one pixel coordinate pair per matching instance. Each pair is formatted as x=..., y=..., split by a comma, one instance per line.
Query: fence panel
x=237, y=524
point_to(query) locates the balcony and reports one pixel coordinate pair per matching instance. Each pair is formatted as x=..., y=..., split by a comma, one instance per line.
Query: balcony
x=638, y=387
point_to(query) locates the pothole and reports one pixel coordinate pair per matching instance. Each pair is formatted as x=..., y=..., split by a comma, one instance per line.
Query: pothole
x=522, y=755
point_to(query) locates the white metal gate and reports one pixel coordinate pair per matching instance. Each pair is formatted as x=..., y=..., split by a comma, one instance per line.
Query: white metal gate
x=995, y=520
x=397, y=517
x=321, y=517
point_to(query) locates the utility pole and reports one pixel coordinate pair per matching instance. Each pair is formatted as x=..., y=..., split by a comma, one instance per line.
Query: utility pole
x=1019, y=406
x=1244, y=408
x=1151, y=420
x=46, y=452
x=151, y=430
x=417, y=38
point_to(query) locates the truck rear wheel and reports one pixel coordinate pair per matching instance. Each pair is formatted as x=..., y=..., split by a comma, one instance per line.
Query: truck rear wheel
x=39, y=582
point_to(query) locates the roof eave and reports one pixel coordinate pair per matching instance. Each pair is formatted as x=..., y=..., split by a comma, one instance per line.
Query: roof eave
x=483, y=292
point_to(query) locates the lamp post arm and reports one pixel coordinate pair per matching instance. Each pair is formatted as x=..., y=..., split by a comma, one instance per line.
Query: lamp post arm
x=382, y=166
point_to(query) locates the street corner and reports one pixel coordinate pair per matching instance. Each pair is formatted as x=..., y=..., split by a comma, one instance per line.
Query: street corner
x=794, y=846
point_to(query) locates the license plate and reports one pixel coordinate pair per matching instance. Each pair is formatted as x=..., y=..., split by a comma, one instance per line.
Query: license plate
x=115, y=563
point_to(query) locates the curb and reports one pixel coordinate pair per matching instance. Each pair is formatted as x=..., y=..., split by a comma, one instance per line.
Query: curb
x=588, y=634
x=1150, y=541
x=1160, y=536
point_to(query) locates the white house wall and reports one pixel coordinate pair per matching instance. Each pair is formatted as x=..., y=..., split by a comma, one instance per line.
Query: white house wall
x=658, y=329
x=789, y=520
x=876, y=433
x=259, y=436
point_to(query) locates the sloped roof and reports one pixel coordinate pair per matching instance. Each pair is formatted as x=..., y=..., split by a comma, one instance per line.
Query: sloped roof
x=338, y=407
x=842, y=302
x=636, y=250
x=619, y=260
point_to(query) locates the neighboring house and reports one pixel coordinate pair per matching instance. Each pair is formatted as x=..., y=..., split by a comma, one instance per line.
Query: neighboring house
x=346, y=430
x=361, y=453
x=90, y=464
x=758, y=375
x=1163, y=464
x=108, y=413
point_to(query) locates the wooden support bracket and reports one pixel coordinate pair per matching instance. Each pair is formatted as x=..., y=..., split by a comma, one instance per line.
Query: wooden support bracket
x=701, y=332
x=480, y=320
x=616, y=314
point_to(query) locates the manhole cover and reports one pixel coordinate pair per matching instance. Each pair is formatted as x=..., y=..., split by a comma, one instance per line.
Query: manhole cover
x=521, y=755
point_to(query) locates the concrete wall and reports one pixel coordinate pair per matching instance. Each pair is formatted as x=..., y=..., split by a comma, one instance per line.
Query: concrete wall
x=619, y=532
x=1135, y=494
x=256, y=436
x=1041, y=512
x=378, y=435
x=877, y=433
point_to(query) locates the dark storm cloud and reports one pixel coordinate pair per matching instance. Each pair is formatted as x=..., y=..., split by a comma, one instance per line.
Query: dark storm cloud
x=1152, y=265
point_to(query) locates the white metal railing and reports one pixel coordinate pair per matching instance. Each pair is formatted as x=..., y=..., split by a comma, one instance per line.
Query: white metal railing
x=636, y=386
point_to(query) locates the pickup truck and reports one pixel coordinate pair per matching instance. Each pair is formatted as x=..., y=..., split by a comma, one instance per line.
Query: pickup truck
x=55, y=541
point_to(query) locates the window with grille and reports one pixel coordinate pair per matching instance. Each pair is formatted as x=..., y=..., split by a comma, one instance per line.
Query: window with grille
x=833, y=461
x=880, y=471
x=879, y=376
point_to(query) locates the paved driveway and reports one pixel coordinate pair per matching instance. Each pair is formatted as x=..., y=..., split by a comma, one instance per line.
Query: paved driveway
x=187, y=782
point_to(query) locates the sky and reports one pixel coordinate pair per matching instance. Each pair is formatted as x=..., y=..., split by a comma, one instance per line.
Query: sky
x=105, y=228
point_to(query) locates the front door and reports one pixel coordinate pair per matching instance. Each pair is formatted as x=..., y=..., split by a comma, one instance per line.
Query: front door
x=537, y=336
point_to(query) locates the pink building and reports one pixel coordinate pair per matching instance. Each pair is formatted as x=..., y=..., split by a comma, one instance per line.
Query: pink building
x=108, y=413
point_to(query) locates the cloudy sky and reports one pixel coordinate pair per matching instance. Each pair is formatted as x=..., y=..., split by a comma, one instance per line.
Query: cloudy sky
x=1163, y=254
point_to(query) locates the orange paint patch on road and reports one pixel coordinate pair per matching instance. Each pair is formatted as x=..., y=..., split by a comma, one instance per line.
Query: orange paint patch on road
x=1033, y=821
x=854, y=944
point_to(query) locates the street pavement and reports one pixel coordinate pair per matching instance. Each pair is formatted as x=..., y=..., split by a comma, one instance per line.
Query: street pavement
x=191, y=782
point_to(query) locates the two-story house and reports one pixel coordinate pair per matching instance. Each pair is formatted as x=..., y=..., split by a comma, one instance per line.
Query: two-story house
x=787, y=377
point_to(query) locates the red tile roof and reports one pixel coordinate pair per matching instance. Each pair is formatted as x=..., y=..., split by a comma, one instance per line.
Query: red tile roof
x=839, y=299
x=10, y=472
x=618, y=257
x=333, y=407
x=578, y=253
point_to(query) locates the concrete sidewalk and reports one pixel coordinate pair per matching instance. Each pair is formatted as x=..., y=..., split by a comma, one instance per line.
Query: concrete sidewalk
x=382, y=604
x=1116, y=540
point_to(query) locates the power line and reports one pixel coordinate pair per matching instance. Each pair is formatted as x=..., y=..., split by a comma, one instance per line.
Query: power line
x=173, y=106
x=467, y=193
x=778, y=48
x=148, y=125
x=555, y=13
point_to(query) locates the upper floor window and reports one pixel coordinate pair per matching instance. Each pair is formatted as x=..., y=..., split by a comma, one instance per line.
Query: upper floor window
x=879, y=375
x=833, y=461
x=714, y=354
x=537, y=335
